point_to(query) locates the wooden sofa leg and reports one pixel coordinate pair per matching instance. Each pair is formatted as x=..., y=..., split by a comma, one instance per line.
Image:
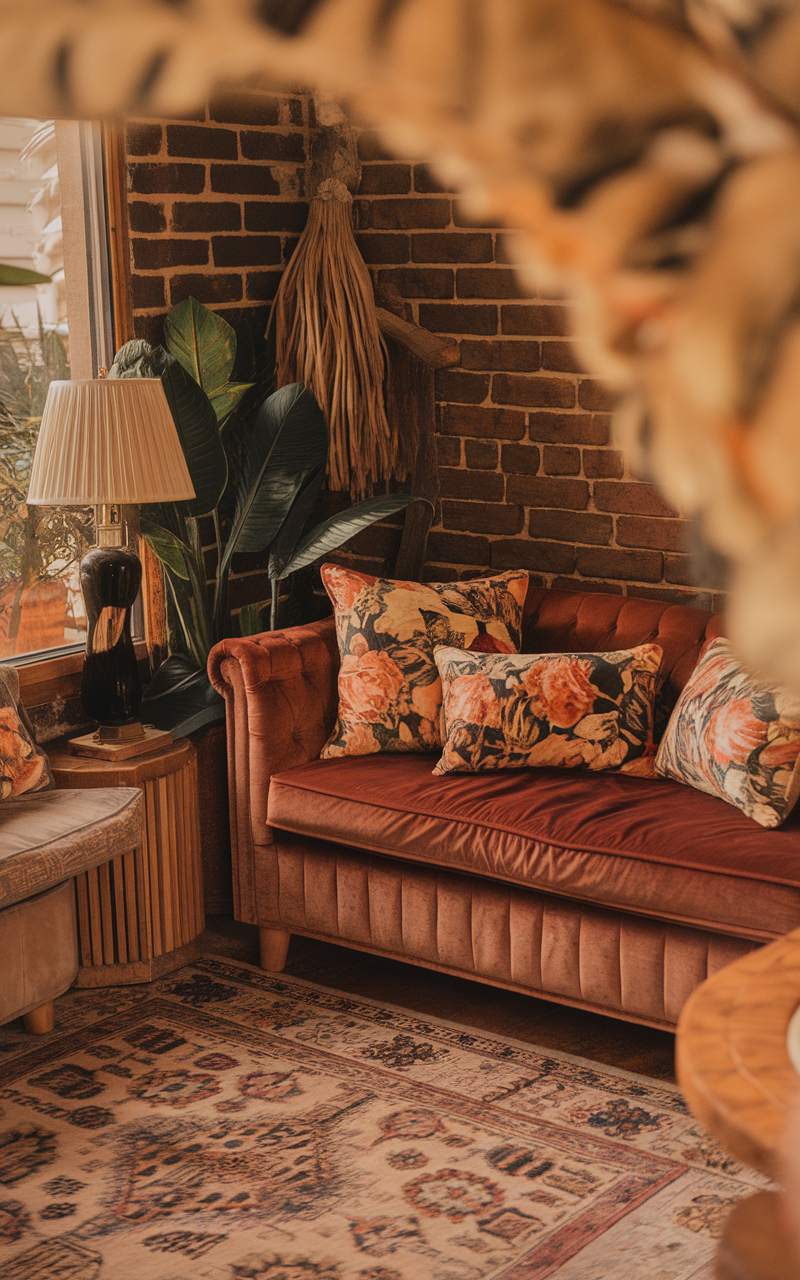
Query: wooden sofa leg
x=39, y=1021
x=274, y=944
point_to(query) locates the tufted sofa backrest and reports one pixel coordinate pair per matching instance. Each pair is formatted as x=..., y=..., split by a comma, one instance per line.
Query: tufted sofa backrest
x=591, y=622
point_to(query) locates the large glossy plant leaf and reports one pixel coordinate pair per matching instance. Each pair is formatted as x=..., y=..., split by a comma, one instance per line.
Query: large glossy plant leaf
x=275, y=453
x=171, y=551
x=174, y=538
x=226, y=400
x=181, y=698
x=288, y=439
x=287, y=537
x=205, y=346
x=282, y=488
x=188, y=616
x=196, y=422
x=333, y=533
x=255, y=364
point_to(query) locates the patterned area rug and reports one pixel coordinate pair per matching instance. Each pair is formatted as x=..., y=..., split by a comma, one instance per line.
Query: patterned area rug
x=226, y=1124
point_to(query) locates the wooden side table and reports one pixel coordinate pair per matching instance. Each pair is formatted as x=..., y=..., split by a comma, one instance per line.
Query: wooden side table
x=734, y=1068
x=732, y=1053
x=141, y=915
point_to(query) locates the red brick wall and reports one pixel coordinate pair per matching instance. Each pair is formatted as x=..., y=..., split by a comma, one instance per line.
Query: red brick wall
x=215, y=204
x=529, y=477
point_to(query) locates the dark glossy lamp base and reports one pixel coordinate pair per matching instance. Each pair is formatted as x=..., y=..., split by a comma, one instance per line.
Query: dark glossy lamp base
x=111, y=691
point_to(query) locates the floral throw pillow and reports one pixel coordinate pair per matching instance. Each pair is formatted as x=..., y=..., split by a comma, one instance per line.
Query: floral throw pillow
x=23, y=766
x=568, y=710
x=390, y=694
x=734, y=737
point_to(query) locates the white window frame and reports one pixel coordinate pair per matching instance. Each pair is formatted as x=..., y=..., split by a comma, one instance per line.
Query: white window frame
x=96, y=279
x=87, y=271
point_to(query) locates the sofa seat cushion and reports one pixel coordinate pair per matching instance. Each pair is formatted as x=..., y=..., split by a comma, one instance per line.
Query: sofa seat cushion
x=654, y=847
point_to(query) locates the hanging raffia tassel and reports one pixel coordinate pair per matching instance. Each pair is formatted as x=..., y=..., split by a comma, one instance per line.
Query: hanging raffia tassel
x=327, y=336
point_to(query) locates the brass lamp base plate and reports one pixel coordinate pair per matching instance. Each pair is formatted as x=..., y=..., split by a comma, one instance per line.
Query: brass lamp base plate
x=99, y=747
x=133, y=732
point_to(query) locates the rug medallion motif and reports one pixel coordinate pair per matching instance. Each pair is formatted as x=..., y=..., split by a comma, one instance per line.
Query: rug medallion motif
x=227, y=1124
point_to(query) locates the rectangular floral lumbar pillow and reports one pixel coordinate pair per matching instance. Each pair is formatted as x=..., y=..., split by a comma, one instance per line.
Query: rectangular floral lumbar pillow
x=23, y=765
x=569, y=710
x=390, y=694
x=735, y=737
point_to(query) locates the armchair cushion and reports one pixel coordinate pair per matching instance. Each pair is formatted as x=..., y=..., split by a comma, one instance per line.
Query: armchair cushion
x=48, y=838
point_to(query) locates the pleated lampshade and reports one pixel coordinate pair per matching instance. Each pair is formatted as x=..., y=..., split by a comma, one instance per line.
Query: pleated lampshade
x=108, y=440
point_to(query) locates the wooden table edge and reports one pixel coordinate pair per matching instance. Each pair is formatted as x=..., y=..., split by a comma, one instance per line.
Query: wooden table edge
x=731, y=1053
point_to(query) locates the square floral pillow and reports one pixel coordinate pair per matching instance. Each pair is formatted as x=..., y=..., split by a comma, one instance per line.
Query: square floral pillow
x=568, y=710
x=390, y=694
x=735, y=737
x=23, y=765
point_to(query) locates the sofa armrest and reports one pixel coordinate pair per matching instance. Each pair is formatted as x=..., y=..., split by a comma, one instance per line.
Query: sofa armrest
x=280, y=691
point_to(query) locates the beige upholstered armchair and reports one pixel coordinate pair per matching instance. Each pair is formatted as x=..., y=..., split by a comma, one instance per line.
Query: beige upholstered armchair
x=45, y=840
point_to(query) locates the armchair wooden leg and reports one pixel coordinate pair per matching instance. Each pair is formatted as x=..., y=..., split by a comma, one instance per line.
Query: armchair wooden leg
x=39, y=1021
x=274, y=944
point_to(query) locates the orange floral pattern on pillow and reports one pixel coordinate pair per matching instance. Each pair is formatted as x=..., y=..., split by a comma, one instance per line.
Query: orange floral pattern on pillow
x=568, y=711
x=390, y=694
x=23, y=766
x=560, y=689
x=735, y=737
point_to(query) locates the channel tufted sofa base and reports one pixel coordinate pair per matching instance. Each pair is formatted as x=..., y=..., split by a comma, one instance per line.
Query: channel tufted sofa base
x=611, y=893
x=642, y=970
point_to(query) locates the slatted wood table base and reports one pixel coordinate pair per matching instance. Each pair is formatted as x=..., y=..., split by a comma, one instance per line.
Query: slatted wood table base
x=141, y=914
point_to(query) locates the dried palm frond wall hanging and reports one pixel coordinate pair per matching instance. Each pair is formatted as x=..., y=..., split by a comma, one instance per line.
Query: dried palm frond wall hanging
x=327, y=336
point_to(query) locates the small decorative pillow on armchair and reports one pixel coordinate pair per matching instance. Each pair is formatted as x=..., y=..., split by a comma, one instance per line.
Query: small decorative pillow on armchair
x=23, y=765
x=390, y=694
x=734, y=737
x=569, y=710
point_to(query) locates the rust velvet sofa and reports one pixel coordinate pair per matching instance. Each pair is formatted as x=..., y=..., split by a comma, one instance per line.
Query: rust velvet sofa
x=613, y=893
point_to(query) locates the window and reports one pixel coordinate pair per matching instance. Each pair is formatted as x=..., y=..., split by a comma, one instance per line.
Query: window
x=52, y=221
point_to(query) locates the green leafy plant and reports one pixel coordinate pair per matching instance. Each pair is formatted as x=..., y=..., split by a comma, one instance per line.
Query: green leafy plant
x=16, y=276
x=37, y=544
x=257, y=459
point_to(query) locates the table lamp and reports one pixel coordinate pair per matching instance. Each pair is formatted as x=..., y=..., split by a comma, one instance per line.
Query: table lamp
x=104, y=442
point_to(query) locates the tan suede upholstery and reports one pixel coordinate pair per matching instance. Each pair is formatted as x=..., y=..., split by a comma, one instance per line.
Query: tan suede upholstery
x=613, y=893
x=45, y=840
x=55, y=834
x=38, y=950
